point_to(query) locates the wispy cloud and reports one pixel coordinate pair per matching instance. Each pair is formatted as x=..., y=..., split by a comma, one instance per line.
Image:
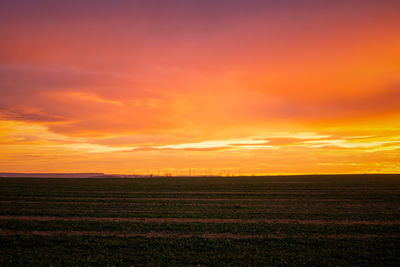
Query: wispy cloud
x=21, y=113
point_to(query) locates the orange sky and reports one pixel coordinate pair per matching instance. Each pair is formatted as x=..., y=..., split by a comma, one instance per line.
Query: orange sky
x=222, y=87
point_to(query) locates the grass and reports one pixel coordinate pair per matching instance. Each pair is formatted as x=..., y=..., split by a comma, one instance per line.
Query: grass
x=369, y=202
x=62, y=251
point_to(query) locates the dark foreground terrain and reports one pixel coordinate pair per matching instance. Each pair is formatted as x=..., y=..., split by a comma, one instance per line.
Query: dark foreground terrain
x=256, y=221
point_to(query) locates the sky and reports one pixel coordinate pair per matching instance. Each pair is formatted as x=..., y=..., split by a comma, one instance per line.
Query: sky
x=217, y=87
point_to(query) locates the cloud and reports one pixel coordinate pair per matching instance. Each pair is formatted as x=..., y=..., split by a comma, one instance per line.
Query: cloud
x=95, y=103
x=284, y=141
x=27, y=114
x=378, y=102
x=18, y=81
x=194, y=149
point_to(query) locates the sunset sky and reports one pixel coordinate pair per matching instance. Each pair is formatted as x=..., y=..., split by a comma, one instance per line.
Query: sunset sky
x=264, y=87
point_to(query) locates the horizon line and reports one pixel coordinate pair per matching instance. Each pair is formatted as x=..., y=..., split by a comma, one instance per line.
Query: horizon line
x=109, y=175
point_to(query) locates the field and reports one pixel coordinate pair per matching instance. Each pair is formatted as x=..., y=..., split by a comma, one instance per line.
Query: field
x=235, y=221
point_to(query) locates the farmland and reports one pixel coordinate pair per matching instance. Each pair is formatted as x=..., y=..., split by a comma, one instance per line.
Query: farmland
x=286, y=220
